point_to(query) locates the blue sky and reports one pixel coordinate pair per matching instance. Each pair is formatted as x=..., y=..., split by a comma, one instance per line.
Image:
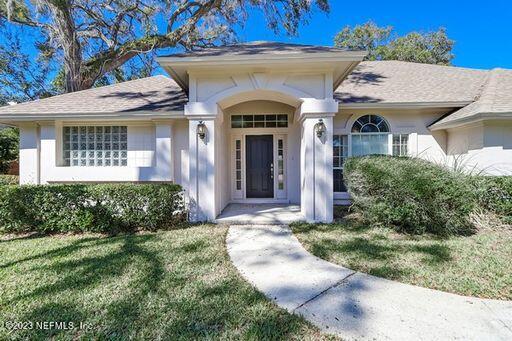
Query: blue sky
x=482, y=30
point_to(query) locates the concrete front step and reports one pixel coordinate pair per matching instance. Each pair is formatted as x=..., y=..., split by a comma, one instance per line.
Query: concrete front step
x=262, y=214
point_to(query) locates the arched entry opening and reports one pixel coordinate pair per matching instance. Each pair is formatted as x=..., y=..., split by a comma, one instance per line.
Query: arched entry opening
x=258, y=149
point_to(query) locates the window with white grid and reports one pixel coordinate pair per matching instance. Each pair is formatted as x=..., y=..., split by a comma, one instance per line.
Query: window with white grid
x=340, y=153
x=95, y=146
x=400, y=142
x=280, y=164
x=238, y=166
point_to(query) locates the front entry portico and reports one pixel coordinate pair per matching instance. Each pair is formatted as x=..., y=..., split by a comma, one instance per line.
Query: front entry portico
x=289, y=165
x=270, y=156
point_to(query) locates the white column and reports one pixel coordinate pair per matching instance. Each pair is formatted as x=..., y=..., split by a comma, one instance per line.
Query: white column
x=29, y=154
x=316, y=170
x=48, y=152
x=201, y=181
x=163, y=148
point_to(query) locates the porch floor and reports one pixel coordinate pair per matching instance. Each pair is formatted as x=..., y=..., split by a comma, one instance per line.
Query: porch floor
x=260, y=214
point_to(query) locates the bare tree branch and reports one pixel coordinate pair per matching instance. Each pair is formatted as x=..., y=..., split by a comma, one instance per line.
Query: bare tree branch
x=94, y=38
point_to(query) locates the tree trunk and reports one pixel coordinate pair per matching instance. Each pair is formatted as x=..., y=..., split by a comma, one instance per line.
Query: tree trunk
x=66, y=33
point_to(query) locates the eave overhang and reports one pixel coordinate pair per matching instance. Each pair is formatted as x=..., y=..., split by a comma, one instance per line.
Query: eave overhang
x=15, y=119
x=403, y=105
x=480, y=117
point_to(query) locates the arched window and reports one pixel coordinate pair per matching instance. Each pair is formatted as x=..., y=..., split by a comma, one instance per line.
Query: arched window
x=370, y=136
x=370, y=124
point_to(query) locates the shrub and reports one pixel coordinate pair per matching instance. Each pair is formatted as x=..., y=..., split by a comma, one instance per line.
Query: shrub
x=412, y=195
x=9, y=146
x=494, y=193
x=93, y=208
x=9, y=179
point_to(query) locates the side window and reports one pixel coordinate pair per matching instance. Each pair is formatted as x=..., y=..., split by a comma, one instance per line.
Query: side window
x=340, y=153
x=95, y=146
x=400, y=143
x=238, y=165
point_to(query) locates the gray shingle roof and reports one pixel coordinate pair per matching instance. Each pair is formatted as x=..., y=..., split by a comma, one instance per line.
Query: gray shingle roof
x=495, y=98
x=157, y=94
x=257, y=48
x=403, y=82
x=371, y=82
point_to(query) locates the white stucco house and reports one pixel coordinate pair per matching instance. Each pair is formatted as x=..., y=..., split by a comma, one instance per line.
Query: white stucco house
x=266, y=122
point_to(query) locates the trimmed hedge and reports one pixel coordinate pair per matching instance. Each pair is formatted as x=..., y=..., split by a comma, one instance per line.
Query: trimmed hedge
x=9, y=179
x=412, y=195
x=93, y=208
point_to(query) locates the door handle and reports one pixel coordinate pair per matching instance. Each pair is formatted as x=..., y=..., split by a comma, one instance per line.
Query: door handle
x=271, y=170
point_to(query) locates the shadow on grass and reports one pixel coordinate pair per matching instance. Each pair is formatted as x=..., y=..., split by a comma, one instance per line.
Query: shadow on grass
x=11, y=237
x=169, y=288
x=365, y=249
x=58, y=252
x=82, y=270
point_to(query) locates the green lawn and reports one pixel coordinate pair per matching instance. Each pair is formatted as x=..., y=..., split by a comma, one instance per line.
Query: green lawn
x=166, y=285
x=479, y=265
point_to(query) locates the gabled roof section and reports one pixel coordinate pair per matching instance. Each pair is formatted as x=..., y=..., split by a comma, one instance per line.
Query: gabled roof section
x=495, y=101
x=257, y=48
x=157, y=94
x=261, y=54
x=401, y=83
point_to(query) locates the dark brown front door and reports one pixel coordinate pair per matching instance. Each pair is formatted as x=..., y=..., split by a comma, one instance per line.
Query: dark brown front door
x=259, y=158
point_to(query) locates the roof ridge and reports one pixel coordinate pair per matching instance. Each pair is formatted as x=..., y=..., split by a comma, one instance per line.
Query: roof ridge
x=251, y=42
x=498, y=68
x=431, y=65
x=490, y=88
x=484, y=86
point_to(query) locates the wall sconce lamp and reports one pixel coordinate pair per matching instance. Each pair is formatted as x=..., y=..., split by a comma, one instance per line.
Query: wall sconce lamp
x=320, y=128
x=201, y=130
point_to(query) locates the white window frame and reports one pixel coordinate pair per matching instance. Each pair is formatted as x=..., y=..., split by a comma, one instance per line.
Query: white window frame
x=270, y=124
x=341, y=156
x=389, y=137
x=237, y=193
x=348, y=132
x=280, y=193
x=401, y=145
x=95, y=151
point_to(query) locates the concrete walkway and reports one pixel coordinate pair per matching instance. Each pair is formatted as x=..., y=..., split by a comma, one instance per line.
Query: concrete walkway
x=263, y=214
x=354, y=305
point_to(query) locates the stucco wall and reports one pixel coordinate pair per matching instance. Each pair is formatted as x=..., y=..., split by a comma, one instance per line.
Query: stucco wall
x=141, y=146
x=259, y=107
x=180, y=151
x=222, y=163
x=149, y=156
x=293, y=172
x=231, y=87
x=485, y=147
x=29, y=154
